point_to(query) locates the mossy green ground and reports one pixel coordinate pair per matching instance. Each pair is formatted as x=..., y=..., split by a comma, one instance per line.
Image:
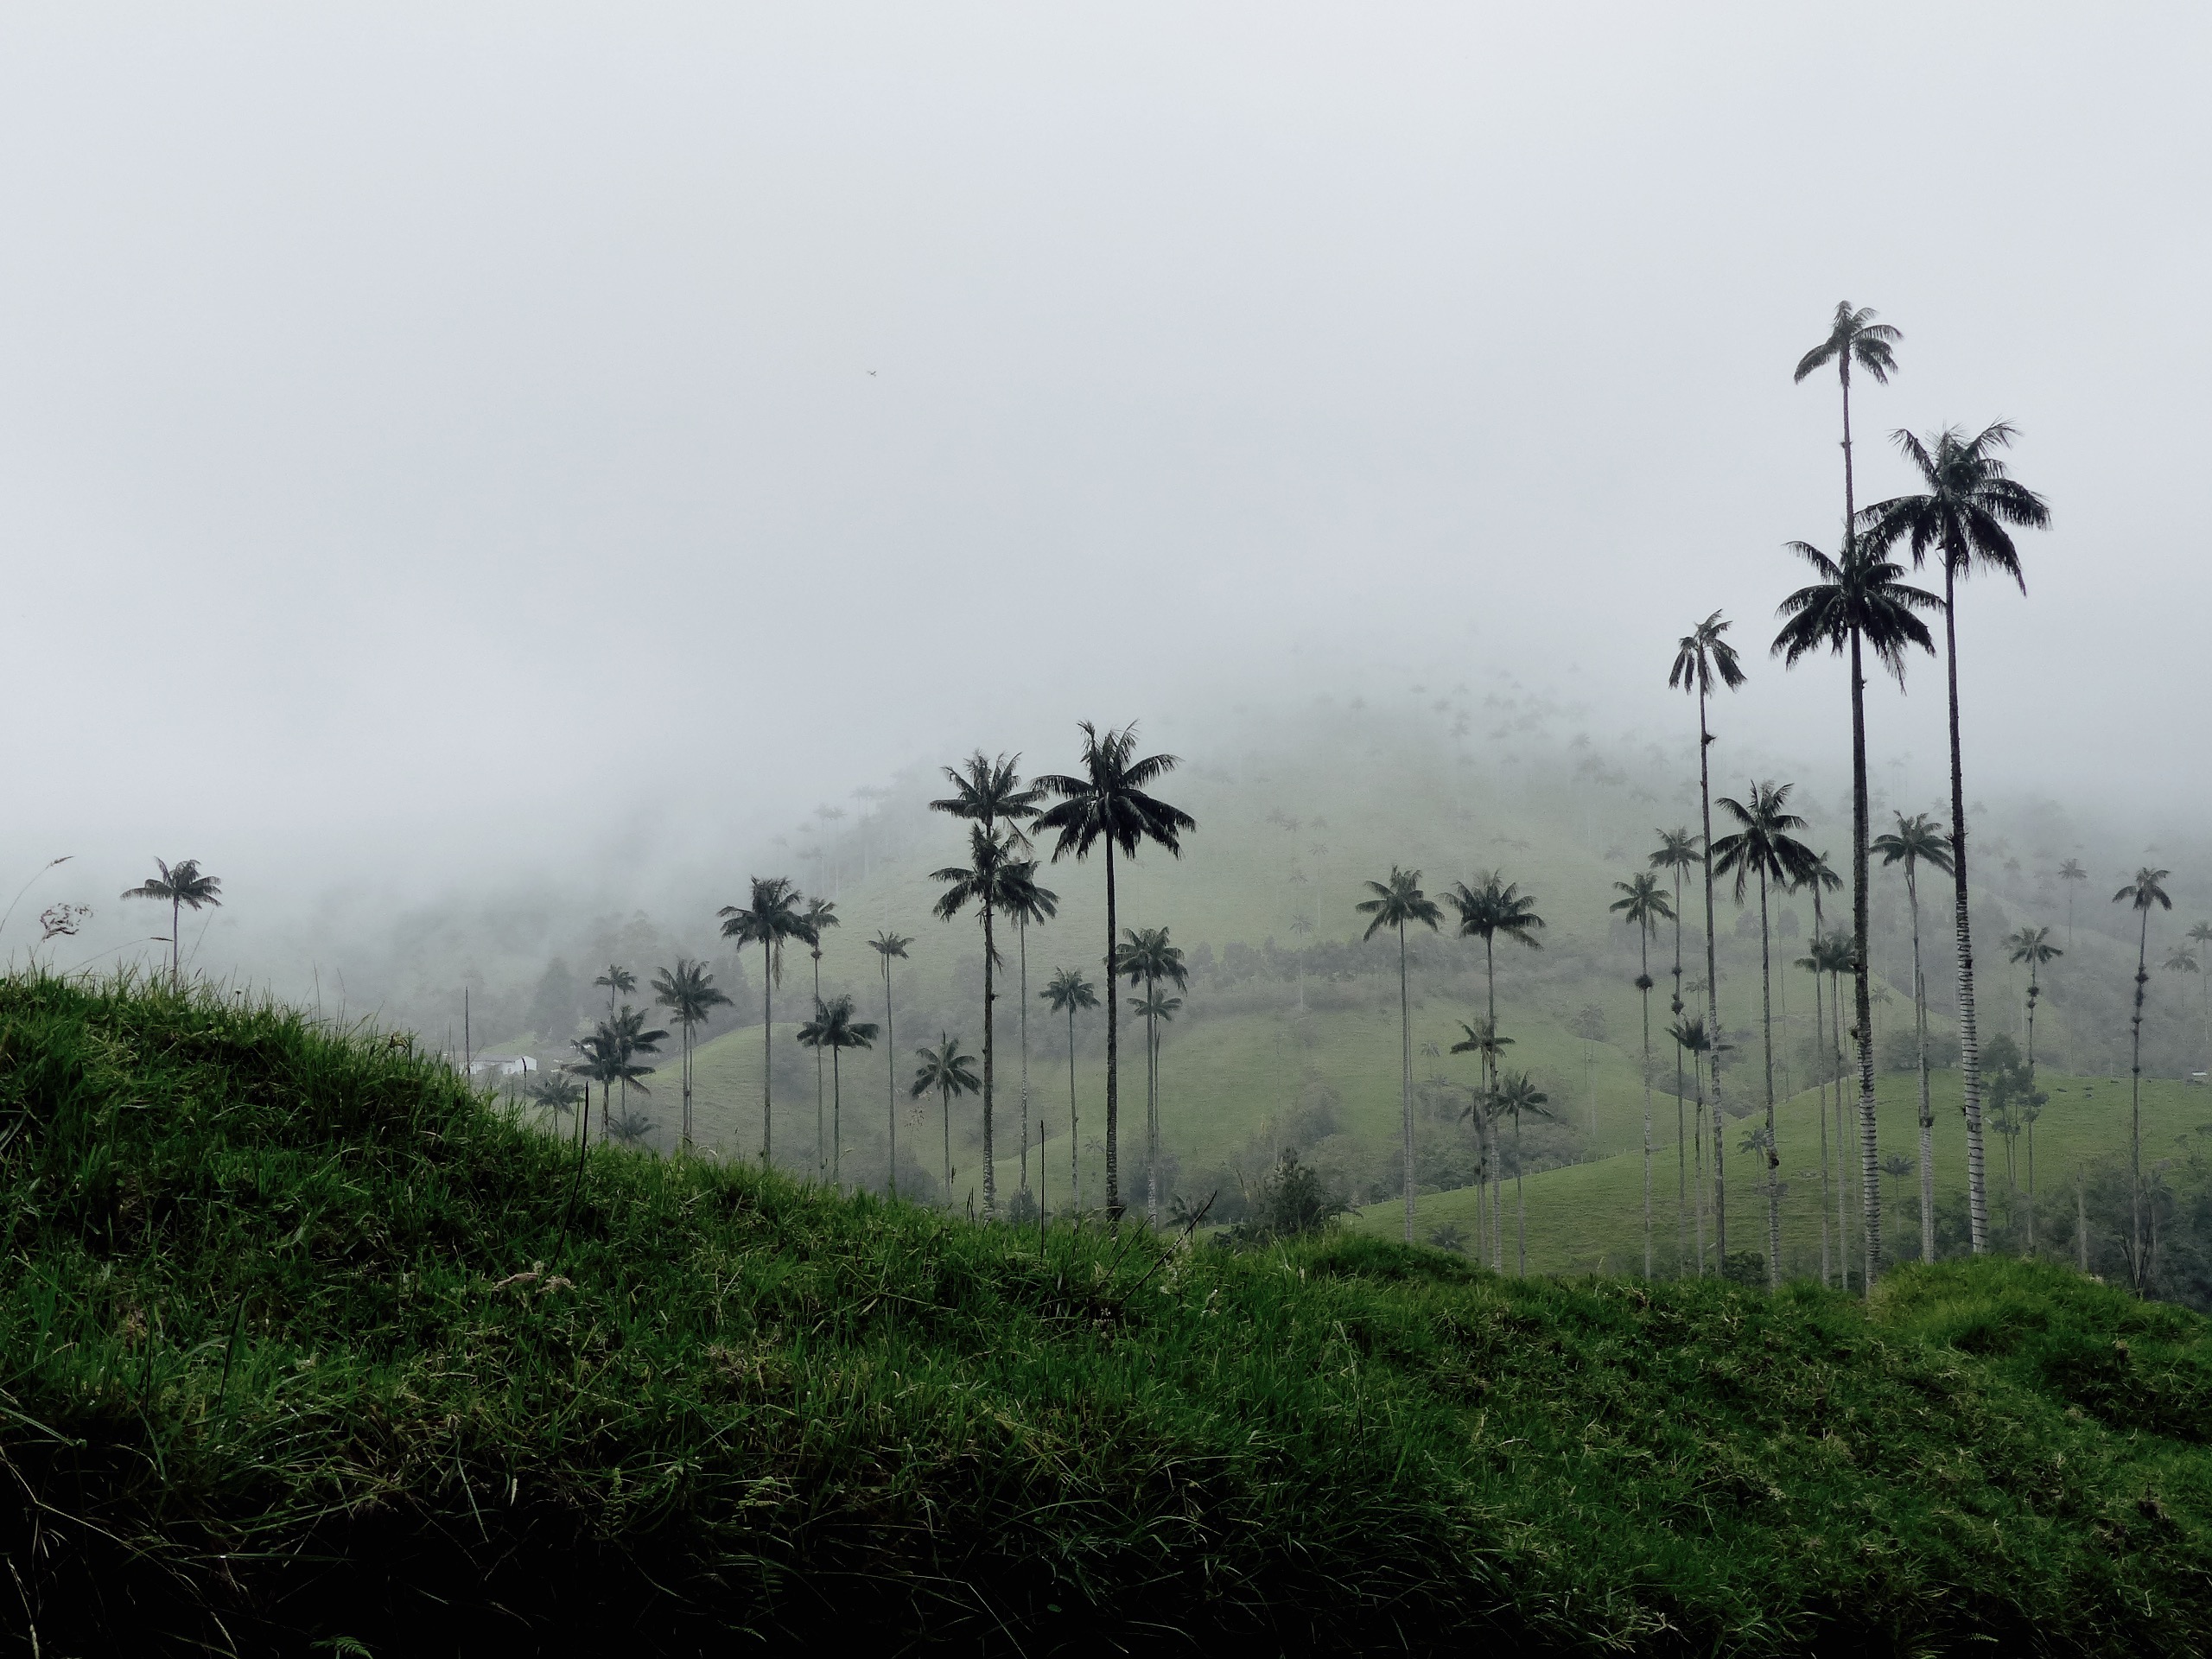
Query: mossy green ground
x=279, y=1366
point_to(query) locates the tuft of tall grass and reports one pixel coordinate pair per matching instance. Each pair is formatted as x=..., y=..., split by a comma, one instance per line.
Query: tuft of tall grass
x=293, y=1348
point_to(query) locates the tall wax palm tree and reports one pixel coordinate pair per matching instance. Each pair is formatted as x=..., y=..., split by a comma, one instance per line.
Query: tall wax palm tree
x=1068, y=992
x=2201, y=936
x=987, y=794
x=629, y=1026
x=1815, y=963
x=834, y=1029
x=618, y=981
x=1824, y=880
x=1147, y=955
x=1678, y=851
x=1107, y=804
x=1397, y=902
x=1488, y=1047
x=769, y=919
x=821, y=917
x=2073, y=874
x=1643, y=905
x=689, y=993
x=986, y=881
x=2143, y=893
x=1704, y=660
x=1027, y=902
x=946, y=1070
x=1965, y=515
x=887, y=945
x=1154, y=1008
x=1856, y=606
x=1513, y=1096
x=1914, y=842
x=182, y=886
x=1854, y=337
x=1762, y=846
x=2032, y=946
x=1694, y=1038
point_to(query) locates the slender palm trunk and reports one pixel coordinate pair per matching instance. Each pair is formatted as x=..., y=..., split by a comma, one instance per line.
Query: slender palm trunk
x=1151, y=1105
x=821, y=1142
x=1712, y=984
x=1969, y=1045
x=1644, y=974
x=1075, y=1154
x=947, y=1093
x=836, y=1124
x=2032, y=991
x=1520, y=1196
x=1842, y=1140
x=1022, y=926
x=1406, y=1076
x=176, y=943
x=1926, y=1110
x=1697, y=1150
x=1870, y=1189
x=891, y=1076
x=1113, y=1060
x=767, y=1045
x=1773, y=1147
x=1819, y=1046
x=1682, y=1136
x=2135, y=1105
x=1490, y=1072
x=990, y=996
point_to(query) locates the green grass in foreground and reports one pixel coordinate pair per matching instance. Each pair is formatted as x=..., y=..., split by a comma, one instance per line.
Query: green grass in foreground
x=277, y=1367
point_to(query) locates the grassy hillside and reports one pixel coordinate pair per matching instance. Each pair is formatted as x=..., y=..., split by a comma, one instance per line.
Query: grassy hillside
x=1589, y=1217
x=302, y=1343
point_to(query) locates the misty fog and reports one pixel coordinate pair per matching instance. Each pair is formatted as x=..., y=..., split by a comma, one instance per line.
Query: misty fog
x=477, y=482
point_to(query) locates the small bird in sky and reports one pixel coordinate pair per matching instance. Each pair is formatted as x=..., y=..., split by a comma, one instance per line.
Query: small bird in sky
x=871, y=372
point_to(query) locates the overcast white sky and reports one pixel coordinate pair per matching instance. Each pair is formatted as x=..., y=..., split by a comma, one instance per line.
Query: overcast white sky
x=694, y=412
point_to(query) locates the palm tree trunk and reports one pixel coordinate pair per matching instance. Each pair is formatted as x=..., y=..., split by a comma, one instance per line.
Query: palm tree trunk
x=1682, y=1136
x=1521, y=1195
x=1773, y=1147
x=1151, y=1107
x=990, y=994
x=1489, y=1073
x=2135, y=1103
x=176, y=943
x=1712, y=984
x=1820, y=1048
x=1113, y=1060
x=1870, y=1189
x=1969, y=1045
x=1644, y=974
x=1842, y=1163
x=1926, y=1110
x=821, y=1145
x=2032, y=1107
x=767, y=1043
x=891, y=1074
x=1406, y=1076
x=1075, y=1154
x=1022, y=925
x=946, y=1092
x=836, y=1123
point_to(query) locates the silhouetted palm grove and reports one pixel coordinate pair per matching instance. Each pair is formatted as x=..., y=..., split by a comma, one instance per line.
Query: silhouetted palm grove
x=1858, y=603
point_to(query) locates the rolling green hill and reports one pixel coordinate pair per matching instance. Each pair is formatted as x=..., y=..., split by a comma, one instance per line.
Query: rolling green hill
x=1291, y=1040
x=304, y=1346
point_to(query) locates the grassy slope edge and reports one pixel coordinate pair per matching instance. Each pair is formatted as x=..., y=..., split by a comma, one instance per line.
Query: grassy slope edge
x=275, y=1365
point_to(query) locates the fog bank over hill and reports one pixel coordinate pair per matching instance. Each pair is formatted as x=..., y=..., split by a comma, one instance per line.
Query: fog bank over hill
x=439, y=452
